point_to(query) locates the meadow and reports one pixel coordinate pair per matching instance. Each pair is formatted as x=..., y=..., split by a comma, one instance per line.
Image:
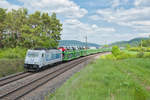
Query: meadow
x=11, y=61
x=126, y=79
x=122, y=75
x=10, y=66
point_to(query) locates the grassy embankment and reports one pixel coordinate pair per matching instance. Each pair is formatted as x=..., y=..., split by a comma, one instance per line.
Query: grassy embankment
x=122, y=75
x=126, y=79
x=11, y=61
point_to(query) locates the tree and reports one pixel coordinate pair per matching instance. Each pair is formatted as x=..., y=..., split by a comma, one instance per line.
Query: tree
x=128, y=46
x=18, y=28
x=145, y=43
x=56, y=29
x=15, y=19
x=2, y=25
x=115, y=50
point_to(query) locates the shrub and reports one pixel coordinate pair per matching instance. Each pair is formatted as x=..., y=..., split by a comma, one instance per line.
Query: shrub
x=109, y=56
x=140, y=54
x=115, y=50
x=121, y=55
x=10, y=66
x=128, y=46
x=148, y=50
x=134, y=49
x=146, y=55
x=139, y=49
x=124, y=55
x=13, y=53
x=143, y=49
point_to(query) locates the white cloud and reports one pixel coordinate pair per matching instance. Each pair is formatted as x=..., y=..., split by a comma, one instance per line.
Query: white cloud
x=124, y=37
x=137, y=18
x=115, y=3
x=145, y=23
x=94, y=17
x=7, y=5
x=65, y=8
x=137, y=2
x=141, y=3
x=132, y=17
x=82, y=27
x=127, y=17
x=75, y=29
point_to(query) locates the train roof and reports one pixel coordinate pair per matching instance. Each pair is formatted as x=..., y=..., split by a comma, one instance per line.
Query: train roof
x=45, y=49
x=40, y=50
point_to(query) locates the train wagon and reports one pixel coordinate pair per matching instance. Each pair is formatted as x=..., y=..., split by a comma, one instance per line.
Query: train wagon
x=38, y=59
x=68, y=55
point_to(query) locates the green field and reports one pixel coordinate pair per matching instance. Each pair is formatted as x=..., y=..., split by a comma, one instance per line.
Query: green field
x=130, y=52
x=133, y=52
x=11, y=60
x=10, y=66
x=127, y=79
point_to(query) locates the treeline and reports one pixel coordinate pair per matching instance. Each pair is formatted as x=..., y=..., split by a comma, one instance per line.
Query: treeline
x=145, y=43
x=20, y=29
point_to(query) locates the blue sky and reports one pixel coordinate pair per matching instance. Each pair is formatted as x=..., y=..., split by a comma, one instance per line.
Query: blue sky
x=103, y=21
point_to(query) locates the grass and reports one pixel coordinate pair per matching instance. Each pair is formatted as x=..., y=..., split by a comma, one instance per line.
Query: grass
x=11, y=60
x=133, y=52
x=12, y=53
x=130, y=52
x=10, y=66
x=126, y=79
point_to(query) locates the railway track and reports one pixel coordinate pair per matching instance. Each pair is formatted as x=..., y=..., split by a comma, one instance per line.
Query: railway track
x=12, y=78
x=20, y=91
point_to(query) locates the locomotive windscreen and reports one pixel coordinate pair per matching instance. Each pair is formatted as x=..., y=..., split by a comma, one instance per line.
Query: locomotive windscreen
x=33, y=54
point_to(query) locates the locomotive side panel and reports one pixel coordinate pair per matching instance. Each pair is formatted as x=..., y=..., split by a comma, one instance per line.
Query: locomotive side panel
x=37, y=59
x=53, y=56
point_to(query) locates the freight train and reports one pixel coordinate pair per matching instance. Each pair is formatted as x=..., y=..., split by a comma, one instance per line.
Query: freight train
x=37, y=59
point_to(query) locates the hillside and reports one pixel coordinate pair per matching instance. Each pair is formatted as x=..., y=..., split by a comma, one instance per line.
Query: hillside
x=76, y=43
x=133, y=42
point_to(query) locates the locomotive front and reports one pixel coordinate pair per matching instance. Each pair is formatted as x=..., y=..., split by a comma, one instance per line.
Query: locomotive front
x=33, y=60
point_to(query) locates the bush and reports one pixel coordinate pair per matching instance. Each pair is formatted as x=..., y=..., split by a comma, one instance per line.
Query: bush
x=124, y=55
x=140, y=54
x=139, y=49
x=12, y=53
x=134, y=49
x=10, y=66
x=148, y=50
x=121, y=55
x=128, y=46
x=115, y=50
x=146, y=55
x=109, y=56
x=143, y=49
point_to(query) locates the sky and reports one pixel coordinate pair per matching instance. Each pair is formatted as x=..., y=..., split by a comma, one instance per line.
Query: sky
x=102, y=21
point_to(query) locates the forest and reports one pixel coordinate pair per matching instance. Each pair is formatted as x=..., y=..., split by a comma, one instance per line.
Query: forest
x=18, y=28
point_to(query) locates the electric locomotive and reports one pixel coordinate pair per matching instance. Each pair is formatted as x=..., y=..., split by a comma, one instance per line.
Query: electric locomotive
x=38, y=59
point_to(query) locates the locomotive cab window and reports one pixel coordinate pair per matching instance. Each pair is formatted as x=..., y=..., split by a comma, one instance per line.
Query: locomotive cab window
x=32, y=54
x=42, y=55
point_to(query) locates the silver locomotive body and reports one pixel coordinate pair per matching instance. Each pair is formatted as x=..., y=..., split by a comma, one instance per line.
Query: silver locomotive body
x=37, y=59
